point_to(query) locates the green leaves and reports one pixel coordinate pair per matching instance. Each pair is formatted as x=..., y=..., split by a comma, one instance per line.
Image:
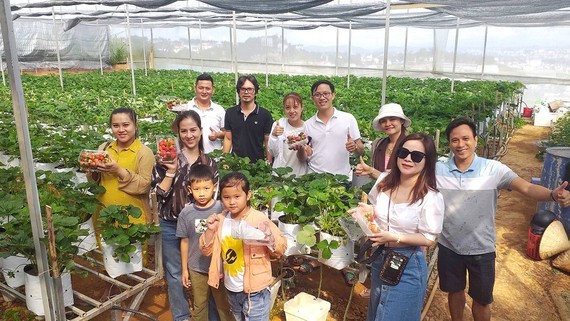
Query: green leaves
x=306, y=236
x=117, y=230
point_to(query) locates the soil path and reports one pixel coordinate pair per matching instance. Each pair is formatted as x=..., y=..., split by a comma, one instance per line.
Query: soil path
x=524, y=289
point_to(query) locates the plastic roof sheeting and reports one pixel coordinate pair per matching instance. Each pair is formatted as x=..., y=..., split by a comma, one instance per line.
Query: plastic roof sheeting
x=302, y=14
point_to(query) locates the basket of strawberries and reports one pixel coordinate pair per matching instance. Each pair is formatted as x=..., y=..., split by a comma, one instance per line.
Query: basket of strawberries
x=90, y=159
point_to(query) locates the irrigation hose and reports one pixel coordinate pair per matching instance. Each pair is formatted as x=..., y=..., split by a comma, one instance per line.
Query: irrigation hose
x=117, y=307
x=430, y=299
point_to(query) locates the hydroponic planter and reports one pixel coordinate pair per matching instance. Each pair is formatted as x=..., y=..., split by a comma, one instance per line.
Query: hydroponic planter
x=13, y=270
x=114, y=268
x=290, y=232
x=34, y=299
x=87, y=242
x=342, y=256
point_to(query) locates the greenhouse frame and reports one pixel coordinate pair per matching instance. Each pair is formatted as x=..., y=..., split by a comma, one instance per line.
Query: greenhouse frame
x=524, y=40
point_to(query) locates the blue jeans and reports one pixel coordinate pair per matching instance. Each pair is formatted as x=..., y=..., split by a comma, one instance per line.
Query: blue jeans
x=257, y=311
x=172, y=264
x=403, y=301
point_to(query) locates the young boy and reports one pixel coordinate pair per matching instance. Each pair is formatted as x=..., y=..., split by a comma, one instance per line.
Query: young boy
x=191, y=225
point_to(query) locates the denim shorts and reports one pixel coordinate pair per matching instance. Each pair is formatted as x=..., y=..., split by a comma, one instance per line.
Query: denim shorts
x=453, y=269
x=403, y=301
x=250, y=306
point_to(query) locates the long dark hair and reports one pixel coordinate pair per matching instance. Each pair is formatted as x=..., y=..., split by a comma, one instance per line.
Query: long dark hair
x=190, y=114
x=132, y=115
x=426, y=180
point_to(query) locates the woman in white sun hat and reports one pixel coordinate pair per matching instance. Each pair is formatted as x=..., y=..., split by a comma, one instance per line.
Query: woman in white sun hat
x=392, y=121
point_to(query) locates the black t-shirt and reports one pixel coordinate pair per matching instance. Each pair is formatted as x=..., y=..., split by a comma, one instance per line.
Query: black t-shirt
x=248, y=135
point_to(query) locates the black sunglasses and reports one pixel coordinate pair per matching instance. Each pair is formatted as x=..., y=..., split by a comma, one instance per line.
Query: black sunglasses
x=417, y=156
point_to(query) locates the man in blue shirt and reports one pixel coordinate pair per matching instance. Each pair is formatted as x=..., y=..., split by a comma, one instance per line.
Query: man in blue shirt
x=470, y=187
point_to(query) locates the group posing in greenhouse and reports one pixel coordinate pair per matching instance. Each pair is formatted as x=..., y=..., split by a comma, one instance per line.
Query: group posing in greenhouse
x=416, y=201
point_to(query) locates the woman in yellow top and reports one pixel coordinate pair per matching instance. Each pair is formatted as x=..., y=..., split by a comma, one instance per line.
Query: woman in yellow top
x=127, y=176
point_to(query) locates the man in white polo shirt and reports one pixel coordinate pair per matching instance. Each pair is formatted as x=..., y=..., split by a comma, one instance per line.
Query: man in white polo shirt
x=334, y=134
x=211, y=114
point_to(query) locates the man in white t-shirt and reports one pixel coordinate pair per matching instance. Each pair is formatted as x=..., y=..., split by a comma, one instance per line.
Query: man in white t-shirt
x=211, y=114
x=334, y=134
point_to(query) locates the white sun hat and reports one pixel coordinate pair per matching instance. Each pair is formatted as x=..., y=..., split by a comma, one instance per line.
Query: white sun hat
x=390, y=110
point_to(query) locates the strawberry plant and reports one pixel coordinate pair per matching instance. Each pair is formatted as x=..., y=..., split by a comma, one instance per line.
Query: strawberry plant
x=118, y=230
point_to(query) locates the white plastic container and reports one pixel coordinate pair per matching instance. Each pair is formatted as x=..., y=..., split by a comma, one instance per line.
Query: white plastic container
x=305, y=307
x=114, y=268
x=34, y=299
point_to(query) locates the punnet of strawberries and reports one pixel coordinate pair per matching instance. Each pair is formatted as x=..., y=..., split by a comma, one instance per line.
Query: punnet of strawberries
x=167, y=151
x=90, y=159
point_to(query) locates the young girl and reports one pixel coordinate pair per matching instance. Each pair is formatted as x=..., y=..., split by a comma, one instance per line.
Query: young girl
x=278, y=146
x=246, y=268
x=409, y=210
x=170, y=181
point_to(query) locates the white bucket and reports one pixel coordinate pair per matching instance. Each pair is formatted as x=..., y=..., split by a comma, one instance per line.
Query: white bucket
x=342, y=256
x=88, y=242
x=115, y=268
x=34, y=300
x=13, y=270
x=305, y=307
x=290, y=232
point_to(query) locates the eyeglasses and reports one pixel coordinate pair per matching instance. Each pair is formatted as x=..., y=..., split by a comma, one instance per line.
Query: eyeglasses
x=417, y=156
x=246, y=90
x=326, y=94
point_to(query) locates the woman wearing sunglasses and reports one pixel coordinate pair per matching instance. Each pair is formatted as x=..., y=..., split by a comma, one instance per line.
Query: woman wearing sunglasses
x=408, y=209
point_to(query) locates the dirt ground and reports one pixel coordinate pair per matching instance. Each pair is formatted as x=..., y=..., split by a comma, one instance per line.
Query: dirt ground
x=524, y=289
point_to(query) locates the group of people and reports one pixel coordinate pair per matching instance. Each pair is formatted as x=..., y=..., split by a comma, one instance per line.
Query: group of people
x=416, y=200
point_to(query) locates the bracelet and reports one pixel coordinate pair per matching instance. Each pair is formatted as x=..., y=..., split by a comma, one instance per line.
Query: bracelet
x=399, y=238
x=552, y=196
x=167, y=174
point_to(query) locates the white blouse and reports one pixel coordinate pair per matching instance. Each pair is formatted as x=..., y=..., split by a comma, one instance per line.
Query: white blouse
x=425, y=217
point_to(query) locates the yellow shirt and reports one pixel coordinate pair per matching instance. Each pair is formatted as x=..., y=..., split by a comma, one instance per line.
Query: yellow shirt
x=134, y=189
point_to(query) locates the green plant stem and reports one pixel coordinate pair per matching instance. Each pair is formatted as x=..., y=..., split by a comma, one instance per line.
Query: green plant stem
x=349, y=301
x=320, y=282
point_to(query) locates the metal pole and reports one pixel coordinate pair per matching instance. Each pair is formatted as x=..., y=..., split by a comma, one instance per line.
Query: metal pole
x=144, y=47
x=386, y=43
x=2, y=67
x=56, y=34
x=131, y=50
x=484, y=53
x=189, y=47
x=233, y=42
x=455, y=56
x=201, y=56
x=349, y=53
x=27, y=159
x=405, y=49
x=266, y=57
x=100, y=56
x=282, y=50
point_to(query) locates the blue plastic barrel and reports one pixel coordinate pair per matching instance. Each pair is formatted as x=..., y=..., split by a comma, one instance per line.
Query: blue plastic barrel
x=556, y=164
